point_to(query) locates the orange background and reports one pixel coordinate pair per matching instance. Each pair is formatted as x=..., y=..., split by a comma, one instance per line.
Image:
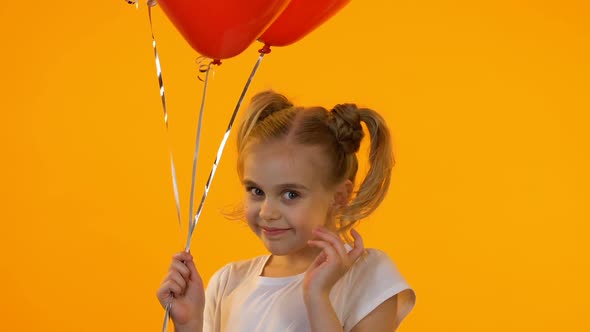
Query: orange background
x=488, y=102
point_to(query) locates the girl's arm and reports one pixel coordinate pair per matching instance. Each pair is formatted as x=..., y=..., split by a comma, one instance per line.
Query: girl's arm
x=321, y=314
x=381, y=319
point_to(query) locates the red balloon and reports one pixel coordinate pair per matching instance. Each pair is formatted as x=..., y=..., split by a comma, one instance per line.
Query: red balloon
x=221, y=29
x=299, y=19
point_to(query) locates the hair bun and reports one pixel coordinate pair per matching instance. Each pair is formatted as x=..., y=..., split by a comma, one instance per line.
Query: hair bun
x=346, y=124
x=269, y=102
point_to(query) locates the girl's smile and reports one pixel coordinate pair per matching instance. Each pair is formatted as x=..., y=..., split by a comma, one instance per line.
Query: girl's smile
x=273, y=233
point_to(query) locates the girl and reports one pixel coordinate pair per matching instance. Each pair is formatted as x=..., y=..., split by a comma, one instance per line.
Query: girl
x=298, y=167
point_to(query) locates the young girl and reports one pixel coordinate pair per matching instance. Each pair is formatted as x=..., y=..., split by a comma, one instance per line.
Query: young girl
x=298, y=167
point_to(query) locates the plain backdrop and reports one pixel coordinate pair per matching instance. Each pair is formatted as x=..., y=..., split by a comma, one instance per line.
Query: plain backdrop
x=488, y=212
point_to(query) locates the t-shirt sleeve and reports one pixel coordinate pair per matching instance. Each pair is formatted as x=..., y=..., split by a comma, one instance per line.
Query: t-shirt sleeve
x=213, y=294
x=373, y=279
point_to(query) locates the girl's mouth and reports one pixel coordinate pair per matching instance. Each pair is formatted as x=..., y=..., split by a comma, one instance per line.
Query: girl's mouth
x=273, y=231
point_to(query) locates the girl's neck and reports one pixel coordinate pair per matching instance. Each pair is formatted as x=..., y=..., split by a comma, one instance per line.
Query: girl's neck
x=289, y=265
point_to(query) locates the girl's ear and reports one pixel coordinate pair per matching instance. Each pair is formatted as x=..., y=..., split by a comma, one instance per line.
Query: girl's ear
x=343, y=194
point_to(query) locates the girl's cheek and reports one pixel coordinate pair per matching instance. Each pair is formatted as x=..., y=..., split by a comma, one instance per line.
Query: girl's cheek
x=251, y=211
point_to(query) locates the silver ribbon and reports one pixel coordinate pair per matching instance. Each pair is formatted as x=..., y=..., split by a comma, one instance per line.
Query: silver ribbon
x=194, y=175
x=167, y=316
x=195, y=220
x=163, y=98
x=197, y=142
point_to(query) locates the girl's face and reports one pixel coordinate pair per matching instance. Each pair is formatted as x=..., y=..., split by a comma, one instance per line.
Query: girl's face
x=286, y=197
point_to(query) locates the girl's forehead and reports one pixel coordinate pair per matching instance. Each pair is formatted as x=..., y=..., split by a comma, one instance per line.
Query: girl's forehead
x=280, y=162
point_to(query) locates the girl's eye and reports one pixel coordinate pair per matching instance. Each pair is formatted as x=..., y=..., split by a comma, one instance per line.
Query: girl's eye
x=255, y=191
x=290, y=195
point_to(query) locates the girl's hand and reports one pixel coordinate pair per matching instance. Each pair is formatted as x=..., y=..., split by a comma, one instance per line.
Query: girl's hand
x=330, y=265
x=184, y=287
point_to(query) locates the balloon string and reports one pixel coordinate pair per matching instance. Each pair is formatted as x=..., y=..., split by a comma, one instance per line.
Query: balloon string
x=198, y=138
x=163, y=98
x=207, y=70
x=194, y=175
x=195, y=220
x=167, y=316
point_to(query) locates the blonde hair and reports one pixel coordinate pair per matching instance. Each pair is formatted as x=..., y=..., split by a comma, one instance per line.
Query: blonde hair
x=271, y=116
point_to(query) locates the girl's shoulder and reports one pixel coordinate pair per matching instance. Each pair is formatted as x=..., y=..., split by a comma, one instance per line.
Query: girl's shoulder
x=373, y=260
x=375, y=269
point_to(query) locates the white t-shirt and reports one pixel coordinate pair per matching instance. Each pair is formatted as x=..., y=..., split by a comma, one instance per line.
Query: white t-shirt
x=238, y=299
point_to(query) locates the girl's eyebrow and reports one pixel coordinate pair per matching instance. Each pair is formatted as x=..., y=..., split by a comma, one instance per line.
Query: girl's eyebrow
x=250, y=183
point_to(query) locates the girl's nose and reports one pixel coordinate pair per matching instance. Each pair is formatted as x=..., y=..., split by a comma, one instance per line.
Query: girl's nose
x=268, y=210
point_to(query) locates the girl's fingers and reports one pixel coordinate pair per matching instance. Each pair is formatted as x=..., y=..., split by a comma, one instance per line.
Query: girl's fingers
x=181, y=268
x=181, y=277
x=182, y=256
x=331, y=253
x=178, y=279
x=195, y=277
x=170, y=286
x=359, y=246
x=190, y=265
x=319, y=260
x=335, y=241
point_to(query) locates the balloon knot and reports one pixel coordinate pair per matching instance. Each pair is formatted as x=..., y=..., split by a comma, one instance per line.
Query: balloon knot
x=265, y=50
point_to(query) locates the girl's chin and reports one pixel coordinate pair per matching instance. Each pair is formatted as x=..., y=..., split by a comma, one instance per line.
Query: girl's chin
x=284, y=250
